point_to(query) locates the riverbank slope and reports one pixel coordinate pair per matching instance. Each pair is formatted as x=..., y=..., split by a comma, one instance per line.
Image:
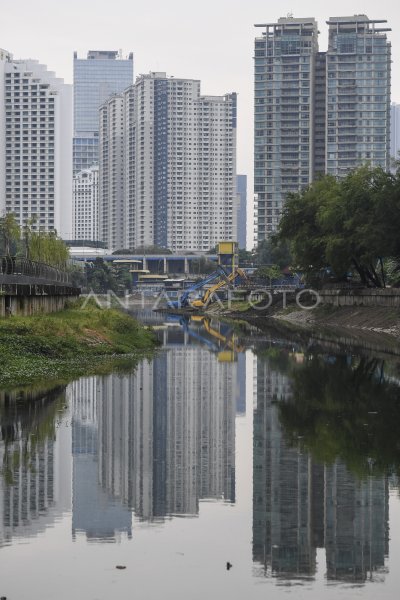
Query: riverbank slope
x=60, y=346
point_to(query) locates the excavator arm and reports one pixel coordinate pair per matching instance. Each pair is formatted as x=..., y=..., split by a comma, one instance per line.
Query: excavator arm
x=225, y=280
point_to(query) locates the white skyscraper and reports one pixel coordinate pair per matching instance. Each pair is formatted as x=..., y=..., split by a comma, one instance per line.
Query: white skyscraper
x=36, y=148
x=167, y=166
x=86, y=204
x=112, y=216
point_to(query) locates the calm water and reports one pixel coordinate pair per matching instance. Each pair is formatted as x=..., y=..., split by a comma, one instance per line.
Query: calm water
x=275, y=455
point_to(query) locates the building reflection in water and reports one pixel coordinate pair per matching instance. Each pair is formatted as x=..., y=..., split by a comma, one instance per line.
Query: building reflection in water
x=299, y=506
x=34, y=468
x=155, y=441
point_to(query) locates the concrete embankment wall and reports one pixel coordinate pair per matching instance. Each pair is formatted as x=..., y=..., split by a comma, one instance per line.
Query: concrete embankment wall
x=29, y=299
x=362, y=297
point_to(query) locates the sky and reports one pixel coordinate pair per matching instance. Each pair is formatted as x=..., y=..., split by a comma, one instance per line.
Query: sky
x=210, y=40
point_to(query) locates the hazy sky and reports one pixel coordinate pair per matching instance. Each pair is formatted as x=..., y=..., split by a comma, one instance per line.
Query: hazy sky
x=210, y=40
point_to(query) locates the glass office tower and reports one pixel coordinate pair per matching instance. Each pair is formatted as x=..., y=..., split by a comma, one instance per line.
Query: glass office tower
x=96, y=77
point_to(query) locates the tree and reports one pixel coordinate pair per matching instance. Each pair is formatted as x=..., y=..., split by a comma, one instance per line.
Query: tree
x=273, y=251
x=342, y=226
x=47, y=247
x=202, y=265
x=10, y=234
x=245, y=257
x=271, y=272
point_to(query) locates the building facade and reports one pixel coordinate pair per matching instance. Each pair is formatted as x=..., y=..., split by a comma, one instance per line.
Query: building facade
x=358, y=95
x=167, y=166
x=112, y=216
x=394, y=133
x=96, y=77
x=85, y=204
x=36, y=149
x=285, y=59
x=317, y=112
x=241, y=186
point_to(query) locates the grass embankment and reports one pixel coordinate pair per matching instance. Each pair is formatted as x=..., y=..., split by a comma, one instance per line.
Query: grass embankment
x=60, y=346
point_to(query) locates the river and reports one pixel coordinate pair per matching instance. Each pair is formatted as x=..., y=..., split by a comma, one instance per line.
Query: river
x=235, y=464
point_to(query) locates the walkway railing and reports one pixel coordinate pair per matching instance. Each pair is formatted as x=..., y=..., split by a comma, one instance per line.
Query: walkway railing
x=22, y=268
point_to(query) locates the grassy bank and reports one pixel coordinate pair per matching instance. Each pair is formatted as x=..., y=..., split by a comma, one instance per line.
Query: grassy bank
x=60, y=346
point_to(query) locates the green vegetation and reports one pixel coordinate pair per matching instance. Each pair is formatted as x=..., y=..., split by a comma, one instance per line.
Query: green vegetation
x=67, y=344
x=31, y=243
x=101, y=277
x=269, y=273
x=273, y=251
x=345, y=228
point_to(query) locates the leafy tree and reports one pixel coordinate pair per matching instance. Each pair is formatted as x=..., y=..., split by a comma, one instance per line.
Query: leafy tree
x=202, y=266
x=271, y=272
x=345, y=225
x=47, y=247
x=273, y=251
x=10, y=234
x=245, y=257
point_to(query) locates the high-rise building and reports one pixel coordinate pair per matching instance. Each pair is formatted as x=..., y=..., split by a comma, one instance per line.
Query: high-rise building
x=36, y=145
x=394, y=132
x=85, y=203
x=241, y=186
x=96, y=77
x=167, y=166
x=285, y=59
x=113, y=216
x=317, y=112
x=358, y=94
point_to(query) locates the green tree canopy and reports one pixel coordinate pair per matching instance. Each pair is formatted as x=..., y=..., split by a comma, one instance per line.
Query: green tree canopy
x=345, y=225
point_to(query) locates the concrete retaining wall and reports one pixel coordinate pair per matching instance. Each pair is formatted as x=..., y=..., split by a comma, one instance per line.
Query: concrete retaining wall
x=29, y=299
x=362, y=297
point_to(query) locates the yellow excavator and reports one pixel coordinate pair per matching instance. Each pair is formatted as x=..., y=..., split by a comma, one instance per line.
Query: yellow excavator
x=227, y=280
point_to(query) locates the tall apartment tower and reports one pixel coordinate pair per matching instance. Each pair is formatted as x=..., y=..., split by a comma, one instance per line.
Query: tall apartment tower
x=285, y=58
x=394, y=133
x=36, y=145
x=241, y=186
x=112, y=216
x=86, y=205
x=167, y=166
x=96, y=77
x=317, y=112
x=358, y=94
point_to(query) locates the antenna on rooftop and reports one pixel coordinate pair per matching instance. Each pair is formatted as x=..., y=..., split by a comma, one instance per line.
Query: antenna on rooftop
x=290, y=15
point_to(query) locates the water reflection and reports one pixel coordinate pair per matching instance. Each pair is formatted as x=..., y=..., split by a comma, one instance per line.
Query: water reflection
x=156, y=441
x=149, y=446
x=34, y=479
x=300, y=504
